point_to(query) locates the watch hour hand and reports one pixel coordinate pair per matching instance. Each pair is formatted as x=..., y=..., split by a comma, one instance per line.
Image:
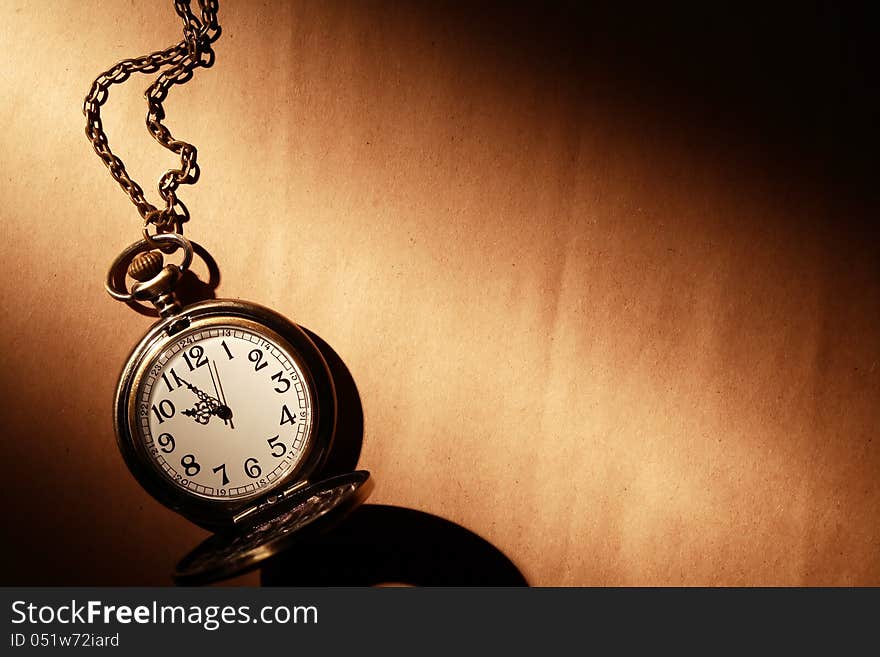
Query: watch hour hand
x=206, y=406
x=201, y=412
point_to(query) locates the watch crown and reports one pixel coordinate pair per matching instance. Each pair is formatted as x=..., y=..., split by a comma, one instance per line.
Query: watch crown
x=145, y=266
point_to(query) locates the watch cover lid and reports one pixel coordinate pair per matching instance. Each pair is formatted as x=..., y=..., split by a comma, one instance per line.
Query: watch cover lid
x=306, y=512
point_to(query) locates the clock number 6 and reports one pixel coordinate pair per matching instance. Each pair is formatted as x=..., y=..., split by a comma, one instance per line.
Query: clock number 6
x=252, y=468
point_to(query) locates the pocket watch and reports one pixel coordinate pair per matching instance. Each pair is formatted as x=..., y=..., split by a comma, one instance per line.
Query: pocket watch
x=225, y=411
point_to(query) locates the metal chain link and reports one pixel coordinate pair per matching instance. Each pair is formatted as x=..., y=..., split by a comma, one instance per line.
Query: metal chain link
x=178, y=61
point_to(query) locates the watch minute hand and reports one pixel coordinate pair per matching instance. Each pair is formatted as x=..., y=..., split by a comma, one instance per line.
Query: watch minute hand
x=225, y=413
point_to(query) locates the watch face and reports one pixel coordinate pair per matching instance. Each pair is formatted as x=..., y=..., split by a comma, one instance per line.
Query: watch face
x=224, y=412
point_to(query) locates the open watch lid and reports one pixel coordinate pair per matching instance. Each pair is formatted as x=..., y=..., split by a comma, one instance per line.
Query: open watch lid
x=309, y=511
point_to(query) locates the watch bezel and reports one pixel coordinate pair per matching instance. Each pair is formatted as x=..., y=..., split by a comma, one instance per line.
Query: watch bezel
x=210, y=513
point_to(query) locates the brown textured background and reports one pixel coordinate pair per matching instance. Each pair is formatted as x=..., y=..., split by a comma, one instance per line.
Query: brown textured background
x=606, y=278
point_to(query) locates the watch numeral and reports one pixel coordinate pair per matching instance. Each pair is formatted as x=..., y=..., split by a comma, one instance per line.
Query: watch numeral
x=222, y=468
x=252, y=468
x=197, y=354
x=164, y=411
x=166, y=442
x=228, y=353
x=286, y=416
x=273, y=443
x=256, y=357
x=176, y=380
x=281, y=382
x=189, y=464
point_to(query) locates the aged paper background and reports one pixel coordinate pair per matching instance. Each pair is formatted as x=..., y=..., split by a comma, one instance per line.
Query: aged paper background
x=626, y=337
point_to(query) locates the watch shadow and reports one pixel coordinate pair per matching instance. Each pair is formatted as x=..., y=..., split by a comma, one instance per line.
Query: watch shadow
x=389, y=545
x=378, y=544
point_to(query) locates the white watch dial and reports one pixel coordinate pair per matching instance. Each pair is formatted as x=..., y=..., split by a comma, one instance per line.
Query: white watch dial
x=225, y=412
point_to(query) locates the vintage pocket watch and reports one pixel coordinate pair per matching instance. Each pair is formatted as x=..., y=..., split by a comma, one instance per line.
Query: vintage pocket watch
x=225, y=411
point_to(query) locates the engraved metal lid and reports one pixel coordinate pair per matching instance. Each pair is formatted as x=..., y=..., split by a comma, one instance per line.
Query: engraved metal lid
x=310, y=510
